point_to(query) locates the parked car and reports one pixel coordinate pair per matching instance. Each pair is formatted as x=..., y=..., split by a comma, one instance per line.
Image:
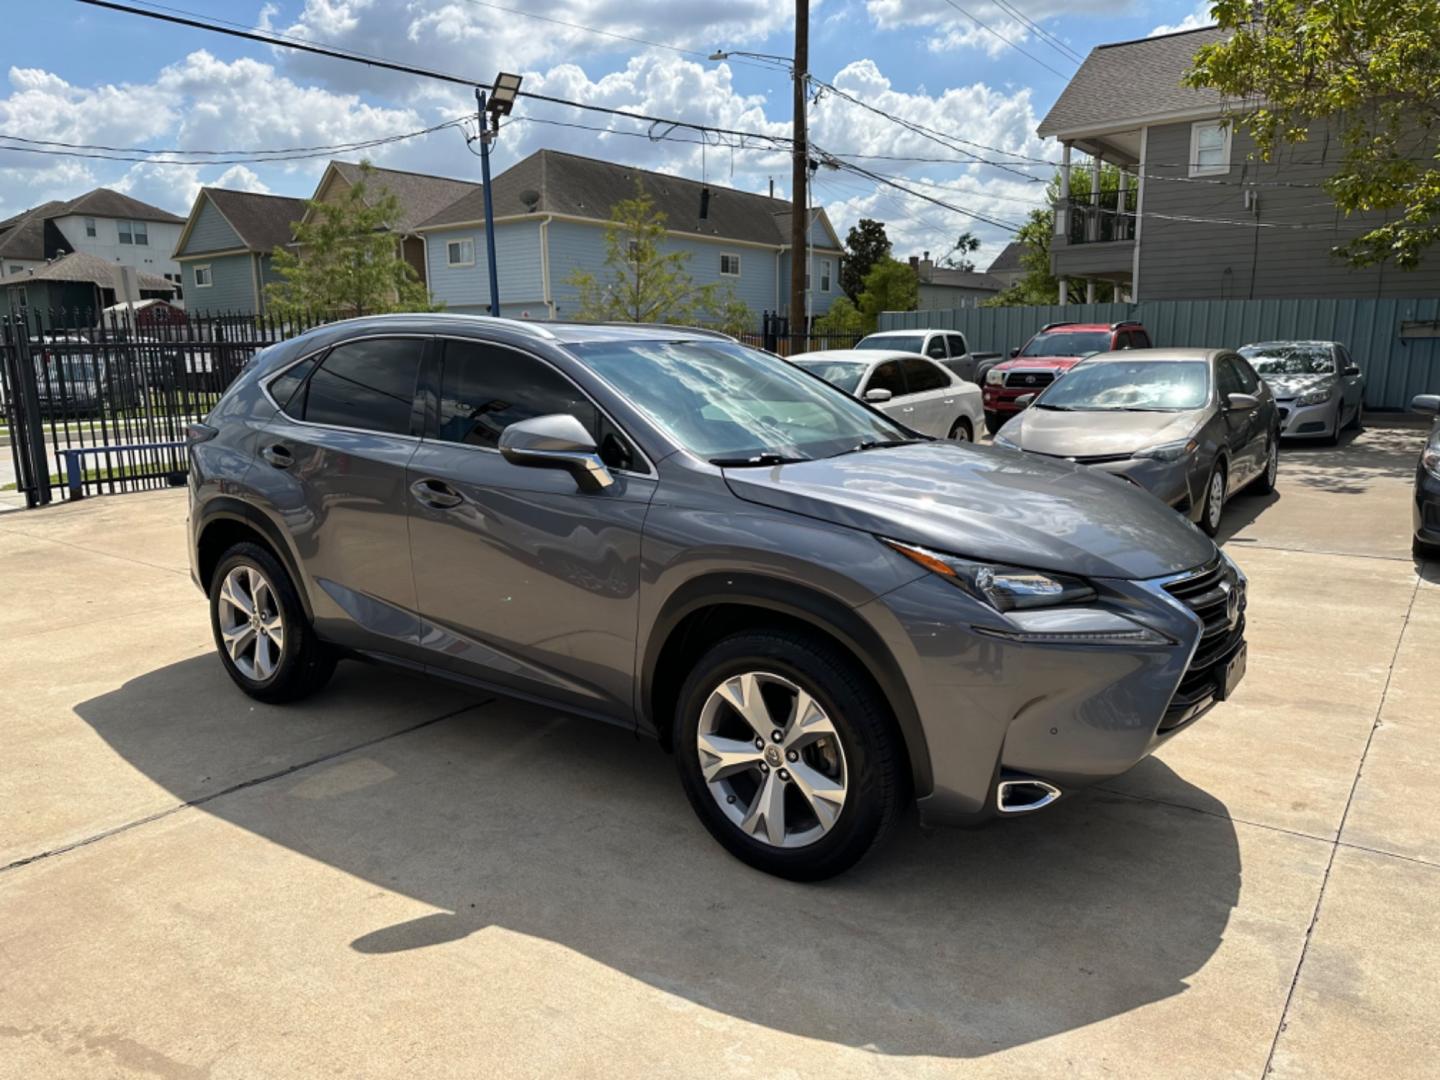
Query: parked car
x=919, y=393
x=74, y=379
x=1192, y=426
x=819, y=614
x=1427, y=483
x=1046, y=357
x=1318, y=388
x=947, y=347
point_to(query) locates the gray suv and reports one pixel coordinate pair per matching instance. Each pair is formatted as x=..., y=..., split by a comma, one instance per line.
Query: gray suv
x=821, y=613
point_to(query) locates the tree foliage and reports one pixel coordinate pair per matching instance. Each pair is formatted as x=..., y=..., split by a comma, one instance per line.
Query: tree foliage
x=865, y=245
x=889, y=286
x=958, y=257
x=842, y=318
x=644, y=282
x=1369, y=71
x=347, y=260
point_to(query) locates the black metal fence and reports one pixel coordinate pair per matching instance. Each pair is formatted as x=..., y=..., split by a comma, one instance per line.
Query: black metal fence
x=775, y=336
x=93, y=403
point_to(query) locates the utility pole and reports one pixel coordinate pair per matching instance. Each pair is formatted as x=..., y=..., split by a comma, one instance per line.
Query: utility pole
x=799, y=208
x=484, y=122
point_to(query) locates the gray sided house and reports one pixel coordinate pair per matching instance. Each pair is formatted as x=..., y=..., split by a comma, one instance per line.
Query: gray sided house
x=226, y=245
x=1201, y=218
x=551, y=210
x=941, y=288
x=72, y=290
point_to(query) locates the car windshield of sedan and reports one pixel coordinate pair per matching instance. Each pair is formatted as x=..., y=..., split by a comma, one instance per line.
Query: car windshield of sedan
x=842, y=373
x=1290, y=359
x=1131, y=385
x=1069, y=343
x=894, y=342
x=722, y=400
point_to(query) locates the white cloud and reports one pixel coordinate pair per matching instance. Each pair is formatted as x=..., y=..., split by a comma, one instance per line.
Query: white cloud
x=1199, y=17
x=948, y=27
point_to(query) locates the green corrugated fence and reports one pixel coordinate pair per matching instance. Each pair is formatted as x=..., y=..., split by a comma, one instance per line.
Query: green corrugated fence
x=1399, y=361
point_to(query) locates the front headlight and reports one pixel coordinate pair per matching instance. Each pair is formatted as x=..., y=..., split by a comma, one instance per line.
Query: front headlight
x=1430, y=459
x=1318, y=396
x=1169, y=451
x=994, y=377
x=1001, y=439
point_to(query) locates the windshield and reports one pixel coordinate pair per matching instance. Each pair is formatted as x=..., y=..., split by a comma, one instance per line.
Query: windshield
x=894, y=342
x=1297, y=359
x=1137, y=385
x=1074, y=343
x=842, y=373
x=719, y=399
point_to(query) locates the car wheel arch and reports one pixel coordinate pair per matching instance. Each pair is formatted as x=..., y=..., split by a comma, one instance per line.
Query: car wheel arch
x=225, y=522
x=712, y=607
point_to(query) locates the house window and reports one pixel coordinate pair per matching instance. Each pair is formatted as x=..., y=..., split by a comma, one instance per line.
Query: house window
x=125, y=235
x=202, y=277
x=824, y=275
x=141, y=237
x=1209, y=148
x=460, y=253
x=89, y=226
x=730, y=265
x=132, y=232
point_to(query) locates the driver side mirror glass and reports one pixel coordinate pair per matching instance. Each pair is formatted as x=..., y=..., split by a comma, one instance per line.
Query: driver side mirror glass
x=1426, y=403
x=1351, y=370
x=1024, y=401
x=1014, y=352
x=557, y=441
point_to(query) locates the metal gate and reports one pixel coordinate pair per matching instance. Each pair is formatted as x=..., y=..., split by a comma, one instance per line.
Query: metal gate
x=99, y=404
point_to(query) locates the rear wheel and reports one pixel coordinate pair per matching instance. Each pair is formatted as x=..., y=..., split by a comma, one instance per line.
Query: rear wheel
x=264, y=639
x=787, y=754
x=1214, y=507
x=960, y=431
x=1333, y=437
x=1265, y=482
x=994, y=422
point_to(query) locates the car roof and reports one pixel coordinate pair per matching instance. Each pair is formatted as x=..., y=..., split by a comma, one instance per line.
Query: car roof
x=907, y=333
x=1079, y=327
x=1288, y=341
x=1158, y=355
x=855, y=356
x=556, y=332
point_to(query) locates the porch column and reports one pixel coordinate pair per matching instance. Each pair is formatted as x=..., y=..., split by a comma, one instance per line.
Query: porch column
x=1089, y=290
x=1120, y=204
x=1092, y=231
x=1062, y=212
x=1062, y=294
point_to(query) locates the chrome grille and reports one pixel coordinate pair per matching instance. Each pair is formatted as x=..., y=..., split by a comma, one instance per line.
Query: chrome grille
x=1028, y=380
x=1208, y=593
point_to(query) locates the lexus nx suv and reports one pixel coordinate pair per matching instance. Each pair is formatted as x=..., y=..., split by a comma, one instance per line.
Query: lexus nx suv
x=821, y=613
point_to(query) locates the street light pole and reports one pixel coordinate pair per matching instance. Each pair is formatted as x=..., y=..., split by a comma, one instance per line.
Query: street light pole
x=489, y=204
x=799, y=209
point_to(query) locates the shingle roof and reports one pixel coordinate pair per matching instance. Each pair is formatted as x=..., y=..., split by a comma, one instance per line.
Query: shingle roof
x=263, y=222
x=586, y=187
x=420, y=195
x=1008, y=261
x=81, y=266
x=962, y=279
x=23, y=236
x=1132, y=79
x=102, y=202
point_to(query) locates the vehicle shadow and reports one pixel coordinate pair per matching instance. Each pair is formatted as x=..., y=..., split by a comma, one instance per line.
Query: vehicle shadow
x=1241, y=512
x=1377, y=453
x=944, y=943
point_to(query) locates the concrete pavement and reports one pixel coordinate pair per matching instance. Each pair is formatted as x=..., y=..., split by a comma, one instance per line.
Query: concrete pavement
x=403, y=878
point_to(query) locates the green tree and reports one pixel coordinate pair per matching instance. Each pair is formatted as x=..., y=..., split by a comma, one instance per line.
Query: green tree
x=643, y=282
x=890, y=286
x=865, y=245
x=348, y=259
x=958, y=257
x=842, y=318
x=1370, y=71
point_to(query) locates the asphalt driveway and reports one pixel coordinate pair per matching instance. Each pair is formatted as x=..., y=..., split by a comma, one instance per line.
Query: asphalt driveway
x=400, y=878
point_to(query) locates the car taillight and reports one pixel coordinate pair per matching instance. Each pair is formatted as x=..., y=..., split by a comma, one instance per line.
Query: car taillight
x=198, y=433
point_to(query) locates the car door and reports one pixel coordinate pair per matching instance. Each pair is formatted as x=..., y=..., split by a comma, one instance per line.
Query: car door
x=961, y=362
x=931, y=392
x=331, y=466
x=1244, y=427
x=886, y=375
x=1352, y=380
x=523, y=580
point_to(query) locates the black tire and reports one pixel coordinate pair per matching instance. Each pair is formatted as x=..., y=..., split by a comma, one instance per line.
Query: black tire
x=1210, y=519
x=1333, y=439
x=1264, y=484
x=874, y=777
x=1423, y=551
x=305, y=663
x=1357, y=422
x=994, y=422
x=960, y=431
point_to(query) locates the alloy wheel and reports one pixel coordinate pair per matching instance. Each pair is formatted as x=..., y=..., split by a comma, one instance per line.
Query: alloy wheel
x=1216, y=502
x=772, y=759
x=1272, y=462
x=251, y=626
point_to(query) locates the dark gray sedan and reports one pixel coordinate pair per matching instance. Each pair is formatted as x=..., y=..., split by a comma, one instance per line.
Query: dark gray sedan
x=1192, y=426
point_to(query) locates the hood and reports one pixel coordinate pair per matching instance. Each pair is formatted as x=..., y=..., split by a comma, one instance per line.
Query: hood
x=1039, y=363
x=1090, y=434
x=1289, y=386
x=987, y=504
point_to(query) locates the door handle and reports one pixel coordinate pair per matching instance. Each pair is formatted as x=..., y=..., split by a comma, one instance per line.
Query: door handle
x=436, y=494
x=278, y=456
x=908, y=408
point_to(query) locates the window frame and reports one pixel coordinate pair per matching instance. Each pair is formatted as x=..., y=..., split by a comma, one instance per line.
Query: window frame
x=208, y=273
x=930, y=344
x=1197, y=169
x=950, y=337
x=124, y=234
x=460, y=242
x=867, y=385
x=827, y=278
x=323, y=353
x=91, y=230
x=925, y=363
x=140, y=232
x=734, y=257
x=436, y=371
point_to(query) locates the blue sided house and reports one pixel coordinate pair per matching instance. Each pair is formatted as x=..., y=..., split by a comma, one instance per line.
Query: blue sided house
x=551, y=210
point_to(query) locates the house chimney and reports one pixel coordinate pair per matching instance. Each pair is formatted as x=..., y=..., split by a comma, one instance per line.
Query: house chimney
x=914, y=264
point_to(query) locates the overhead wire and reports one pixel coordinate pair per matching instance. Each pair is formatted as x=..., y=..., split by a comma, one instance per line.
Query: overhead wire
x=1001, y=37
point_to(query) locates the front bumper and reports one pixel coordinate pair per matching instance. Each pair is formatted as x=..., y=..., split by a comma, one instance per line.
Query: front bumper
x=1070, y=715
x=1001, y=399
x=1426, y=510
x=1306, y=421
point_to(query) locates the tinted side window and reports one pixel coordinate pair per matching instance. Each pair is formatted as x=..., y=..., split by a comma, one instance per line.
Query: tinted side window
x=366, y=384
x=957, y=344
x=921, y=375
x=1248, y=378
x=936, y=348
x=1228, y=377
x=283, y=388
x=887, y=377
x=484, y=389
x=1139, y=339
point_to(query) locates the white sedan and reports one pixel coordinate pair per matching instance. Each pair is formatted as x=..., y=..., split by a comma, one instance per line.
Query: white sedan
x=923, y=395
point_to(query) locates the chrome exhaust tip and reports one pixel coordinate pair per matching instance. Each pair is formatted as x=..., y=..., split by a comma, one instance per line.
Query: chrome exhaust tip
x=1023, y=796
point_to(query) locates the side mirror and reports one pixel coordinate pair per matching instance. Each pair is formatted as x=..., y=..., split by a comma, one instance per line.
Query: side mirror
x=557, y=441
x=1426, y=403
x=877, y=395
x=1241, y=401
x=1351, y=370
x=1014, y=352
x=1024, y=401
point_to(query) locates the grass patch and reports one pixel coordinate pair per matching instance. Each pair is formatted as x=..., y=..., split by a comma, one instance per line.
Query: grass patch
x=119, y=472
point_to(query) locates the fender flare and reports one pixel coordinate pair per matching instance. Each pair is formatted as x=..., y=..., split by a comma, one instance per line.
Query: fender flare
x=825, y=613
x=227, y=508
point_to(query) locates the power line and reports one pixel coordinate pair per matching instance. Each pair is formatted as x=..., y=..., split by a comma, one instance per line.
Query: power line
x=996, y=34
x=1041, y=33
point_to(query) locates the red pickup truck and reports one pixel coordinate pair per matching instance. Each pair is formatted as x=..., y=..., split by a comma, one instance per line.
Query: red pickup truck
x=1049, y=354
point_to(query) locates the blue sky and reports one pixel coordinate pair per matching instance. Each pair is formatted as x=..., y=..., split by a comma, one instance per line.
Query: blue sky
x=78, y=74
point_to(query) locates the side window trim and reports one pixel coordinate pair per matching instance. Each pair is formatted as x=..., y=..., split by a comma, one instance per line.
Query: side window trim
x=432, y=414
x=320, y=355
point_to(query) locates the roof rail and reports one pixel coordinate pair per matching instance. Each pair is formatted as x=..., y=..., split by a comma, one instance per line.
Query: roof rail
x=703, y=331
x=1124, y=322
x=1053, y=325
x=524, y=326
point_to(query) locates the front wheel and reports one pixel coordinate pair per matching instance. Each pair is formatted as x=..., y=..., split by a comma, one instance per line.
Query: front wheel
x=1265, y=482
x=787, y=753
x=1214, y=507
x=994, y=422
x=960, y=431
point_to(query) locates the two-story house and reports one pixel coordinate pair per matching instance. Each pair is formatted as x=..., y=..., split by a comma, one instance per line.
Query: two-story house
x=1198, y=216
x=226, y=244
x=551, y=210
x=107, y=224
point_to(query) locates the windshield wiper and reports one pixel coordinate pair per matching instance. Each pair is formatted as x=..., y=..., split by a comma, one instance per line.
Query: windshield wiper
x=1056, y=408
x=879, y=444
x=767, y=458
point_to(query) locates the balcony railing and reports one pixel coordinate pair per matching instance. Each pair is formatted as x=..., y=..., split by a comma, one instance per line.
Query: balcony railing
x=1092, y=223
